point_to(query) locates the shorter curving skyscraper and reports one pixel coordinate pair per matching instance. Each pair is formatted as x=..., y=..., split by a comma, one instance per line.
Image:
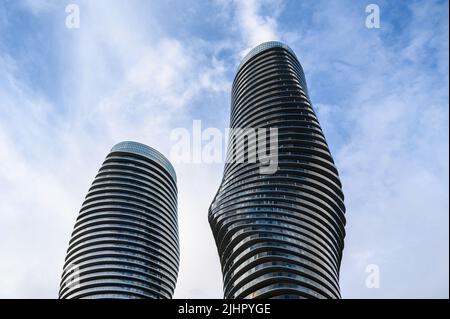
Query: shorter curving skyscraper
x=125, y=240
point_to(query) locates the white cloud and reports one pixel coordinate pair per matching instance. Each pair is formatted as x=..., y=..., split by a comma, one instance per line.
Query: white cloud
x=255, y=26
x=37, y=204
x=251, y=22
x=122, y=88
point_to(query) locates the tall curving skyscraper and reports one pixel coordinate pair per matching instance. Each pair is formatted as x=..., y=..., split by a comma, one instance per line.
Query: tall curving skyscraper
x=279, y=235
x=125, y=240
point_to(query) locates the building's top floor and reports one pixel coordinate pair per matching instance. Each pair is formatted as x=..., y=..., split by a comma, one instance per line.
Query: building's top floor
x=147, y=151
x=263, y=47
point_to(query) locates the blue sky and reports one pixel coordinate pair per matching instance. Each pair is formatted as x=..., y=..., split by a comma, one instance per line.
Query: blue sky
x=135, y=70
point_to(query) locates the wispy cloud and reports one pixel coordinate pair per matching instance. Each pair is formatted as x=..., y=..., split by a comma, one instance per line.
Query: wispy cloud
x=255, y=25
x=118, y=85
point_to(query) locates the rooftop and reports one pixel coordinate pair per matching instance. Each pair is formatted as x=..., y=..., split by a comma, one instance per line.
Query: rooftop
x=263, y=47
x=147, y=151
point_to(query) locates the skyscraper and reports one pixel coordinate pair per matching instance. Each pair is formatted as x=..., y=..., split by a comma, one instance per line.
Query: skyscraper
x=125, y=240
x=279, y=235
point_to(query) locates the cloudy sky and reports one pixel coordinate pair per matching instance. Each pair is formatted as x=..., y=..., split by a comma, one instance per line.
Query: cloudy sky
x=136, y=70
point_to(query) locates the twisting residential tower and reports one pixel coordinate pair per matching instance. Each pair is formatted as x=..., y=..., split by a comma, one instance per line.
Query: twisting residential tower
x=279, y=235
x=125, y=240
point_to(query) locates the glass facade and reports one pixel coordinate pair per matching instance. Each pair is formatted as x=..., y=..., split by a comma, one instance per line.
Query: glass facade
x=125, y=240
x=279, y=235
